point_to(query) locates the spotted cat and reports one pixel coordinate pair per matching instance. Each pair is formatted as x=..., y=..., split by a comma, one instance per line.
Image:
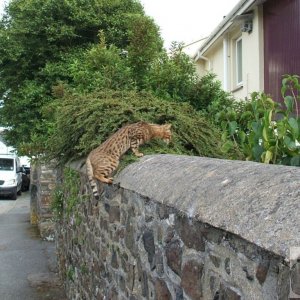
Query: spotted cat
x=103, y=160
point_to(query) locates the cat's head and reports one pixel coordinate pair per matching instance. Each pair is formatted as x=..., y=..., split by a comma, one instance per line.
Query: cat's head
x=166, y=133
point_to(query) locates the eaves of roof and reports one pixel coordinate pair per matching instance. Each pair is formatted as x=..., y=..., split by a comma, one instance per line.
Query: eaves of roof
x=241, y=7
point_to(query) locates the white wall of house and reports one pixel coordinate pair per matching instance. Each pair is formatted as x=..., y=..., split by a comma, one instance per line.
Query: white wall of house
x=252, y=58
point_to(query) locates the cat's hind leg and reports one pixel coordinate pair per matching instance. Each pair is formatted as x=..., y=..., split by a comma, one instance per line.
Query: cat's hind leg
x=105, y=167
x=102, y=178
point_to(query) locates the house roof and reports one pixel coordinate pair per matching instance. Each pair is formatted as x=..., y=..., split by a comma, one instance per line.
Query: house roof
x=239, y=9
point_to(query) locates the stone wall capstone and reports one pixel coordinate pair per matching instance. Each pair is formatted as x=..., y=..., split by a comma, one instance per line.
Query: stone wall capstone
x=178, y=227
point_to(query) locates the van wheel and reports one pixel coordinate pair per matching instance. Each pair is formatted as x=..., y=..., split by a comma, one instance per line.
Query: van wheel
x=14, y=195
x=19, y=192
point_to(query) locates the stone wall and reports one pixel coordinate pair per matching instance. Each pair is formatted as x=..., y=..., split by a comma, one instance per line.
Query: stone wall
x=177, y=227
x=42, y=182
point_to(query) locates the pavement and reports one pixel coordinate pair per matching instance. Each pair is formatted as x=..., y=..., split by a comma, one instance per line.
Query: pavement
x=27, y=264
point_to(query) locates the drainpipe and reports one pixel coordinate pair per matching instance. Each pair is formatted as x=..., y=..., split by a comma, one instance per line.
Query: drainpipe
x=225, y=63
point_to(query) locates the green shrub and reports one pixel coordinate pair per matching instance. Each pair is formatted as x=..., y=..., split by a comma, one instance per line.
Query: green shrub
x=85, y=121
x=171, y=76
x=264, y=130
x=207, y=94
x=57, y=41
x=98, y=67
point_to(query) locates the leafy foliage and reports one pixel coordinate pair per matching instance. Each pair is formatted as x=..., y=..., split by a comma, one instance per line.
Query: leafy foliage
x=104, y=51
x=263, y=130
x=66, y=195
x=210, y=96
x=173, y=77
x=86, y=45
x=43, y=42
x=40, y=31
x=144, y=47
x=86, y=120
x=25, y=114
x=99, y=67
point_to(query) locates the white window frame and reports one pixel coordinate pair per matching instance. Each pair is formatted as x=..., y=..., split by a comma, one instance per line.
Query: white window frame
x=239, y=62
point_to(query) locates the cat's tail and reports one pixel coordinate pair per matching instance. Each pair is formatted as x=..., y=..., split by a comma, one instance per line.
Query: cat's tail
x=90, y=174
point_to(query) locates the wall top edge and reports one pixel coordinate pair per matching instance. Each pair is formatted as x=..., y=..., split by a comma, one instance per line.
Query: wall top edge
x=255, y=201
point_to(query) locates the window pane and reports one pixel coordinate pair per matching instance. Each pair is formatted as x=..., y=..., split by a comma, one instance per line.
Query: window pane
x=239, y=69
x=6, y=164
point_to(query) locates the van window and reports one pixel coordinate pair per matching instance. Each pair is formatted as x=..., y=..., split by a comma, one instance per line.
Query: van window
x=6, y=164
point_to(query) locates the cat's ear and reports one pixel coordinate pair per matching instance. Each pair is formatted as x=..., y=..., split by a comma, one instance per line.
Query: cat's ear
x=168, y=126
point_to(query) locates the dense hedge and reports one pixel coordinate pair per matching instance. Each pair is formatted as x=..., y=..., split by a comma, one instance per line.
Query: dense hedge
x=85, y=120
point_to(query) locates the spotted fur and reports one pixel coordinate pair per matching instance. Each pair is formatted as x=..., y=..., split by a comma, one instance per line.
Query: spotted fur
x=103, y=160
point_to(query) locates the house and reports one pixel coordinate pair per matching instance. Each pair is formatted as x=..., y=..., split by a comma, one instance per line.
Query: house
x=254, y=45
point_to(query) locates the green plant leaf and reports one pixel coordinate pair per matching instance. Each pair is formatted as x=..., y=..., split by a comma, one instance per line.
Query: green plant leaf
x=267, y=157
x=289, y=143
x=232, y=127
x=257, y=151
x=294, y=125
x=227, y=147
x=271, y=103
x=256, y=126
x=265, y=133
x=270, y=116
x=289, y=103
x=242, y=136
x=281, y=129
x=280, y=111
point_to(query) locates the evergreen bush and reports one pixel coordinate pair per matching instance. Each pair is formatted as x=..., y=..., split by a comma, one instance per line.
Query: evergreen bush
x=83, y=121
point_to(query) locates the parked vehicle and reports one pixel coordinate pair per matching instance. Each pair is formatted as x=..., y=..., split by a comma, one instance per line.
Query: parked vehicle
x=25, y=178
x=10, y=175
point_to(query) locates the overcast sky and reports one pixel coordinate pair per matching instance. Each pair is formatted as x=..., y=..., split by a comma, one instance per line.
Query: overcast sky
x=1, y=6
x=187, y=20
x=183, y=20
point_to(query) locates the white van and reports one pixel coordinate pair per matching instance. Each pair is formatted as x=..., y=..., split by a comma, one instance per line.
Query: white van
x=10, y=175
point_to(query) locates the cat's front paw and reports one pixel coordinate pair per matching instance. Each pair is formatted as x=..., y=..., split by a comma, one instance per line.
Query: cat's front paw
x=110, y=180
x=139, y=154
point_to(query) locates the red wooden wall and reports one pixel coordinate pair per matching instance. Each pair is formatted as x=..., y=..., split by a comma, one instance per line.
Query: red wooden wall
x=281, y=43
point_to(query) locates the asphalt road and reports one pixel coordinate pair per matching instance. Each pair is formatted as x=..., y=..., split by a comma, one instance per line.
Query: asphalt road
x=27, y=264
